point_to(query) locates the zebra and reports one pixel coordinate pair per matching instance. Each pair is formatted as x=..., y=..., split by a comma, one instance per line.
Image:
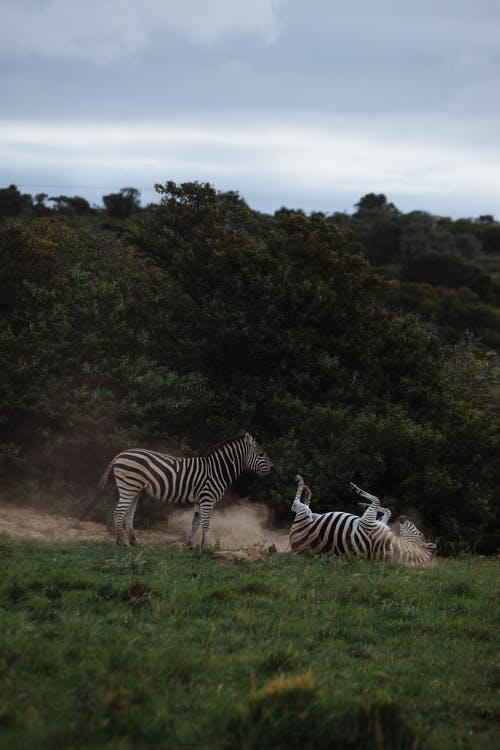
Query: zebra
x=340, y=533
x=201, y=480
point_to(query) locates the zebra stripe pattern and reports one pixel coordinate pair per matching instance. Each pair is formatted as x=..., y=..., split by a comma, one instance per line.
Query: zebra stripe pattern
x=340, y=533
x=201, y=480
x=411, y=547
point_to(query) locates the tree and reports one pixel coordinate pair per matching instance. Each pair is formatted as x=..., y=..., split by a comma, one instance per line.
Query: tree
x=373, y=204
x=76, y=205
x=474, y=373
x=468, y=245
x=12, y=202
x=238, y=293
x=121, y=205
x=451, y=271
x=77, y=351
x=39, y=207
x=378, y=226
x=415, y=240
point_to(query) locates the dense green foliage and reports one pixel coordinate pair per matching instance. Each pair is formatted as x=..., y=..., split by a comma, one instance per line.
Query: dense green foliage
x=196, y=317
x=111, y=649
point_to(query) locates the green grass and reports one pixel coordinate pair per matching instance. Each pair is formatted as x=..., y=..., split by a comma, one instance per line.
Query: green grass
x=102, y=647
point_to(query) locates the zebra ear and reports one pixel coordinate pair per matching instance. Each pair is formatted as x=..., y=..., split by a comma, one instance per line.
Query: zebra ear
x=253, y=437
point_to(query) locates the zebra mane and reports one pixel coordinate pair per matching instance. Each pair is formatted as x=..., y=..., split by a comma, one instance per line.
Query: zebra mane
x=233, y=439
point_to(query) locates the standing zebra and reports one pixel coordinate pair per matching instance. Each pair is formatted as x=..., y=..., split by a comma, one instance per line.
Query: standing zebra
x=339, y=533
x=200, y=480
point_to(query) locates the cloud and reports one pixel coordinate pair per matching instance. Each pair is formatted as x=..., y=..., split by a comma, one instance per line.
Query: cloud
x=293, y=162
x=104, y=30
x=208, y=21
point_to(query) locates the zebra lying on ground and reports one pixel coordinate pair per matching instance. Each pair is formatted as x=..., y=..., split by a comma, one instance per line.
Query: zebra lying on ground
x=201, y=480
x=339, y=533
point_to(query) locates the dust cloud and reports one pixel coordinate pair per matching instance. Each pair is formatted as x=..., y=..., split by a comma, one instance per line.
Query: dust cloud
x=240, y=525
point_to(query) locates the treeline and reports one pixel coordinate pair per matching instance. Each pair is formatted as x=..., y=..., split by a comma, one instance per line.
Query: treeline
x=190, y=319
x=446, y=271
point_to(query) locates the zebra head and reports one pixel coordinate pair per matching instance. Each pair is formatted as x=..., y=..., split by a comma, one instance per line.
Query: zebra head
x=257, y=459
x=414, y=547
x=408, y=530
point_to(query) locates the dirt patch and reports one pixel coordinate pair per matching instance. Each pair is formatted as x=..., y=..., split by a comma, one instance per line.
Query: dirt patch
x=240, y=531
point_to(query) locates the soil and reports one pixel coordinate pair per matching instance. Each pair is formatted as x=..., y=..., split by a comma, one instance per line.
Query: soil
x=240, y=531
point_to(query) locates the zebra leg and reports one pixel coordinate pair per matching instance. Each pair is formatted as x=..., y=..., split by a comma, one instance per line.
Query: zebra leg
x=386, y=515
x=372, y=498
x=119, y=519
x=374, y=502
x=300, y=487
x=129, y=522
x=206, y=517
x=300, y=505
x=126, y=505
x=370, y=515
x=194, y=525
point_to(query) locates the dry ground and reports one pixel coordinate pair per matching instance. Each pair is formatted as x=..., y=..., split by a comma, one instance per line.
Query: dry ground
x=240, y=530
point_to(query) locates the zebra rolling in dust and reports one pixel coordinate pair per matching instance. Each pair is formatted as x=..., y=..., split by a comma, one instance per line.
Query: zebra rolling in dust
x=201, y=480
x=339, y=533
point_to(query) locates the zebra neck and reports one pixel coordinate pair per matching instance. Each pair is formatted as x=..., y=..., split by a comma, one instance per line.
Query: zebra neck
x=227, y=464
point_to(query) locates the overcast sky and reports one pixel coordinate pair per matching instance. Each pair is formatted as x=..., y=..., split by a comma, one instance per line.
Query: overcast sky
x=307, y=104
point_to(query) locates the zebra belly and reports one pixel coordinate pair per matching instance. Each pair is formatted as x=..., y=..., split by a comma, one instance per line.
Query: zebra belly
x=334, y=533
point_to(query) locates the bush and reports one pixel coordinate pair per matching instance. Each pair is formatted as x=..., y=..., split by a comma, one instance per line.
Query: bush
x=288, y=713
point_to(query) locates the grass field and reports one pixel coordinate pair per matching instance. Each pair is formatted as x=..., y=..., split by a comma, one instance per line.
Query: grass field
x=102, y=647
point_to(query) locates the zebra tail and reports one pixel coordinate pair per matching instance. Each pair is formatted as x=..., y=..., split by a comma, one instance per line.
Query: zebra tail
x=95, y=497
